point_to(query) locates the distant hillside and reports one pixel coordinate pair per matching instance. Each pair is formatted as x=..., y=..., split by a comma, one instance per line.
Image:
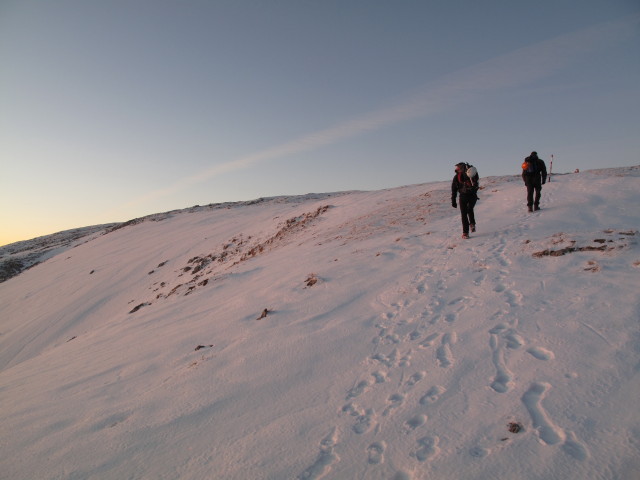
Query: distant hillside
x=19, y=256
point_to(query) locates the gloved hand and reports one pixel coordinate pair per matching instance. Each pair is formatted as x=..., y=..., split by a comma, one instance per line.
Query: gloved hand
x=454, y=204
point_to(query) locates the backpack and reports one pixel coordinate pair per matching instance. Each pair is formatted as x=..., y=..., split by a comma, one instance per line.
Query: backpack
x=530, y=165
x=472, y=173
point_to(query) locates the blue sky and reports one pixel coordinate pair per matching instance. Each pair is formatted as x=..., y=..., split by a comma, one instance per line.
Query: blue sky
x=111, y=110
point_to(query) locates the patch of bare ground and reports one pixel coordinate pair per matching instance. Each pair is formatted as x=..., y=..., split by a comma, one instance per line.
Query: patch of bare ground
x=205, y=268
x=613, y=240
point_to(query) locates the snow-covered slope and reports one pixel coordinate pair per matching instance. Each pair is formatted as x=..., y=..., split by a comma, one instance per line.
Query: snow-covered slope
x=336, y=336
x=19, y=256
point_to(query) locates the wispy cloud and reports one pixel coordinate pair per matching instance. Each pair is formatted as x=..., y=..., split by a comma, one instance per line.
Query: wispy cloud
x=517, y=68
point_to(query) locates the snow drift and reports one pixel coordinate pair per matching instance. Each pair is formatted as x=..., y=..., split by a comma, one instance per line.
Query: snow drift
x=336, y=336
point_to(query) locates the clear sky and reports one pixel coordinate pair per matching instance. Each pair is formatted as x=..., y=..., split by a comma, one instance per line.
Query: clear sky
x=114, y=109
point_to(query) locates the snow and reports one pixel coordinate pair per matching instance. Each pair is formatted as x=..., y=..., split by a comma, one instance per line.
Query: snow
x=391, y=348
x=19, y=256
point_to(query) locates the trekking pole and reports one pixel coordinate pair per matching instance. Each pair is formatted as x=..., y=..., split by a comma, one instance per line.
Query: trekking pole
x=550, y=168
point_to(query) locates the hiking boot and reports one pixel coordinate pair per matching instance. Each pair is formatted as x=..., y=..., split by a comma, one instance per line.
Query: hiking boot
x=465, y=235
x=473, y=227
x=536, y=208
x=530, y=208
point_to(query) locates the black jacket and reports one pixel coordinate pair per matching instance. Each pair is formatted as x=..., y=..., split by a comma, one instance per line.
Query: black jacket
x=464, y=186
x=538, y=177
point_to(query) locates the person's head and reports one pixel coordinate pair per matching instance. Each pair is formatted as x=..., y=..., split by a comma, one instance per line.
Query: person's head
x=461, y=167
x=534, y=154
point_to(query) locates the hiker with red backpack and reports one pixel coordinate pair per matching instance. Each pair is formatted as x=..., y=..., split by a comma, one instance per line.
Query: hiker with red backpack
x=465, y=182
x=534, y=174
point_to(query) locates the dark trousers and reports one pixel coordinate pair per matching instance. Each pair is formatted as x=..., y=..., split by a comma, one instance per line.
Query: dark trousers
x=531, y=189
x=466, y=211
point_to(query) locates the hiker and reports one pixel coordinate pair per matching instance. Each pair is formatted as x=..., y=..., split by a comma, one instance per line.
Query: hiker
x=534, y=174
x=466, y=182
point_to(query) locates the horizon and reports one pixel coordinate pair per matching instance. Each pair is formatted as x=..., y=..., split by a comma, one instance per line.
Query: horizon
x=116, y=111
x=240, y=201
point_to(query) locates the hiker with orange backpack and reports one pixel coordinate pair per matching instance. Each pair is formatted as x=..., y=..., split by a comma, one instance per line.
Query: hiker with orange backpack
x=534, y=174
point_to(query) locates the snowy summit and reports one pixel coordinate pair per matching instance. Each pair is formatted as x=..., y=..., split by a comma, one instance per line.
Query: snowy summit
x=335, y=336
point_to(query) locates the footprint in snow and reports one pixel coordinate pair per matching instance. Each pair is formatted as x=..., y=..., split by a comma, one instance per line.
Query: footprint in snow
x=435, y=306
x=427, y=342
x=387, y=360
x=391, y=338
x=450, y=338
x=422, y=288
x=428, y=448
x=548, y=432
x=415, y=335
x=405, y=361
x=364, y=422
x=514, y=340
x=500, y=327
x=499, y=288
x=502, y=382
x=443, y=354
x=385, y=336
x=479, y=280
x=514, y=298
x=432, y=395
x=325, y=459
x=358, y=389
x=415, y=378
x=379, y=377
x=541, y=353
x=394, y=401
x=574, y=448
x=375, y=453
x=416, y=421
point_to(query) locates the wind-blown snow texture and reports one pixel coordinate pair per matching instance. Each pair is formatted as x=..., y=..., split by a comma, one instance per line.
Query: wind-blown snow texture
x=390, y=348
